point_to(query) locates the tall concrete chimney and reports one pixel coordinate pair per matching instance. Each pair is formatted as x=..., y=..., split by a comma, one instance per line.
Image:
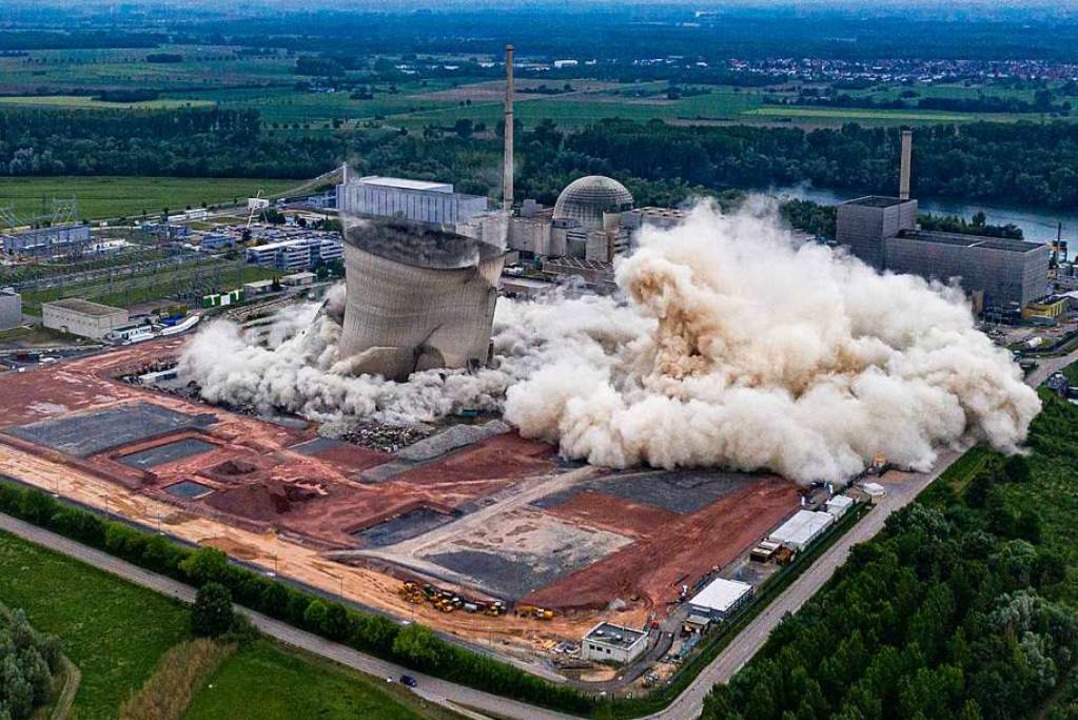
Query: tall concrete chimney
x=507, y=171
x=904, y=173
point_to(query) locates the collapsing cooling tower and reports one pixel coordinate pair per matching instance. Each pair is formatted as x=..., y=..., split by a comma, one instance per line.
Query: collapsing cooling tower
x=418, y=298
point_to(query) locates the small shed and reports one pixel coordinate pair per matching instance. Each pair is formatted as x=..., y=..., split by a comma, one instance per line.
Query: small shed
x=839, y=505
x=874, y=490
x=720, y=598
x=607, y=642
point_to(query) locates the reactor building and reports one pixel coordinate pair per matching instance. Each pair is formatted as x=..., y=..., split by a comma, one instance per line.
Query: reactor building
x=1001, y=276
x=418, y=297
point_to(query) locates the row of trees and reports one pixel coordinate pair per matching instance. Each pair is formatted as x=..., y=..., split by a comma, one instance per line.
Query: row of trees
x=413, y=645
x=960, y=609
x=1031, y=163
x=28, y=661
x=189, y=142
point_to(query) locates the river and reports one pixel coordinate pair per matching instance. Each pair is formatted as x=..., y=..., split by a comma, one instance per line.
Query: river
x=1038, y=224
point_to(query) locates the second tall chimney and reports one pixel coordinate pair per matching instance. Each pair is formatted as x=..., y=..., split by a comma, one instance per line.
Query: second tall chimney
x=507, y=170
x=904, y=172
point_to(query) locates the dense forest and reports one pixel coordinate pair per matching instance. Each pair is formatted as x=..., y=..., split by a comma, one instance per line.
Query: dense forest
x=1026, y=163
x=182, y=143
x=962, y=608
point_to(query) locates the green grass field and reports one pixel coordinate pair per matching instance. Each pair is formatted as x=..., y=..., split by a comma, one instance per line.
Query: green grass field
x=262, y=682
x=113, y=631
x=852, y=114
x=110, y=197
x=116, y=633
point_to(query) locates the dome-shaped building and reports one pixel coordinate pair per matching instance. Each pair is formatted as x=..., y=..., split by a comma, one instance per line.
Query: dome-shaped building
x=585, y=200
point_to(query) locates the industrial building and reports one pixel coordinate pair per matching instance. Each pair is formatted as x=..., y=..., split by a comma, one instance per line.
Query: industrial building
x=720, y=598
x=417, y=298
x=802, y=529
x=82, y=317
x=58, y=240
x=999, y=274
x=607, y=642
x=416, y=200
x=839, y=505
x=295, y=255
x=10, y=308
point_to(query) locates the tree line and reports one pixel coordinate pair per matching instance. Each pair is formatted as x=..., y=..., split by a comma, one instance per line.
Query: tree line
x=412, y=645
x=961, y=608
x=1025, y=162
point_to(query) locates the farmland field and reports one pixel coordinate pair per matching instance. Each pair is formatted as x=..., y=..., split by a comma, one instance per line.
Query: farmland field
x=108, y=197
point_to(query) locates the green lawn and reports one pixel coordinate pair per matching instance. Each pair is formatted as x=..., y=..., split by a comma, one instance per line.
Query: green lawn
x=116, y=633
x=264, y=682
x=113, y=631
x=109, y=197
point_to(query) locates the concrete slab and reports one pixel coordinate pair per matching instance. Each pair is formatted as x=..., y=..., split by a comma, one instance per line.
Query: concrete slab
x=89, y=433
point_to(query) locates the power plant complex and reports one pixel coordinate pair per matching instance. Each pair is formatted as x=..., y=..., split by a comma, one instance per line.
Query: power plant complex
x=1002, y=276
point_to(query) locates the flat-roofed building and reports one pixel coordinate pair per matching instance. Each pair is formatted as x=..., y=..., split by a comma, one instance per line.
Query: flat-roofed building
x=82, y=317
x=802, y=529
x=58, y=239
x=883, y=233
x=720, y=598
x=434, y=203
x=865, y=223
x=1006, y=271
x=10, y=308
x=607, y=642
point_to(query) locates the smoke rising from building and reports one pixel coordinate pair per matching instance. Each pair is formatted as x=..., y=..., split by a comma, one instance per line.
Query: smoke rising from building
x=728, y=347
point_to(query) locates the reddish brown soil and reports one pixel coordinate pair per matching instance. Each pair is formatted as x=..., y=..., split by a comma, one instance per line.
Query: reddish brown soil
x=502, y=457
x=691, y=546
x=607, y=512
x=352, y=458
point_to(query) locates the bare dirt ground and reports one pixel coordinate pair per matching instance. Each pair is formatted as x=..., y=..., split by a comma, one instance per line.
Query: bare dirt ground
x=473, y=519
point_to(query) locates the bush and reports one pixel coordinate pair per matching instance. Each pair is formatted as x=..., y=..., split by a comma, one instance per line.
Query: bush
x=27, y=663
x=212, y=614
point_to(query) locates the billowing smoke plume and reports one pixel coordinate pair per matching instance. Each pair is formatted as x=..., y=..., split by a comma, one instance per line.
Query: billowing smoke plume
x=728, y=346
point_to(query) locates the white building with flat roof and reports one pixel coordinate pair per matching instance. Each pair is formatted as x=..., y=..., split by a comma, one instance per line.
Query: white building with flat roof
x=10, y=308
x=82, y=317
x=607, y=642
x=417, y=200
x=720, y=598
x=798, y=532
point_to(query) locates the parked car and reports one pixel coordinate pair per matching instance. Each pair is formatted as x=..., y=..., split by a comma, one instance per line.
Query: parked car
x=408, y=681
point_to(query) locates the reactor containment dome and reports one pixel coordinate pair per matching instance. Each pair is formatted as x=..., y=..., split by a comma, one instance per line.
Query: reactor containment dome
x=418, y=298
x=586, y=199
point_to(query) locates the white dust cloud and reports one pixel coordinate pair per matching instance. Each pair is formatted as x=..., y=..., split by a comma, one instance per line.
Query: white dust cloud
x=728, y=346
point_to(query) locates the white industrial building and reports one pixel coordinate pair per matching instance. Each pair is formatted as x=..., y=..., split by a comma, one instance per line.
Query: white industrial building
x=607, y=642
x=720, y=598
x=417, y=200
x=58, y=239
x=295, y=255
x=10, y=308
x=798, y=532
x=82, y=317
x=839, y=505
